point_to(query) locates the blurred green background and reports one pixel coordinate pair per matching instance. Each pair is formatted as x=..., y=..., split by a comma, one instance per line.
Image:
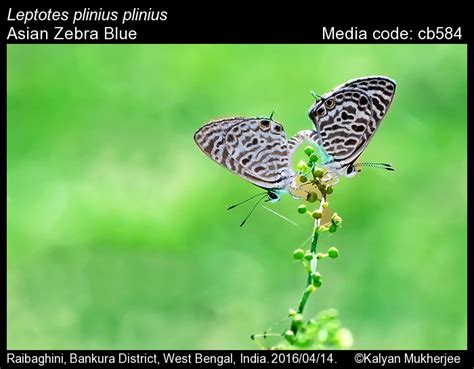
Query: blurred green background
x=118, y=234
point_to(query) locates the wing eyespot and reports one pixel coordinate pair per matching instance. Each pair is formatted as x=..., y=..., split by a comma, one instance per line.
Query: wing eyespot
x=321, y=112
x=265, y=125
x=330, y=103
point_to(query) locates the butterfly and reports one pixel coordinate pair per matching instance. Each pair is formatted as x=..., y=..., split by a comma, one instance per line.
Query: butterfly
x=346, y=119
x=255, y=149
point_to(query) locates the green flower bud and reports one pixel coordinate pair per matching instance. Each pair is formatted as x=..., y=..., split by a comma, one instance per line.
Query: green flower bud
x=298, y=254
x=308, y=255
x=313, y=158
x=329, y=190
x=298, y=320
x=332, y=228
x=317, y=214
x=311, y=288
x=312, y=197
x=318, y=172
x=344, y=338
x=336, y=220
x=303, y=179
x=323, y=335
x=302, y=166
x=333, y=252
x=289, y=335
x=308, y=150
x=316, y=276
x=302, y=209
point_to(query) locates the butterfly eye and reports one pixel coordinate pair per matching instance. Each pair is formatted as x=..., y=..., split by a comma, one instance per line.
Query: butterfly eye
x=330, y=103
x=272, y=196
x=265, y=125
x=321, y=111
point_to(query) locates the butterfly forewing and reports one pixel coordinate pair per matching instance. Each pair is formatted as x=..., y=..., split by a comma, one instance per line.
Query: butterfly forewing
x=254, y=148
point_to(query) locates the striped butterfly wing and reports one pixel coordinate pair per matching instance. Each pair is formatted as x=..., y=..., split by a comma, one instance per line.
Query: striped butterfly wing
x=382, y=91
x=379, y=91
x=256, y=149
x=341, y=118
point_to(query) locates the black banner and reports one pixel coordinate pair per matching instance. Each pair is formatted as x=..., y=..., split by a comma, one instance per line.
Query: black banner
x=166, y=23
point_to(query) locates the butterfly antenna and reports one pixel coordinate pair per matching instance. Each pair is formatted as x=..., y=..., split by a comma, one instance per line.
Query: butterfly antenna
x=243, y=202
x=315, y=95
x=251, y=211
x=376, y=165
x=271, y=115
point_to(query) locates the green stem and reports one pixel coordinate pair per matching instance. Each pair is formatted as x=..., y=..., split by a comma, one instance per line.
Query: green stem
x=313, y=264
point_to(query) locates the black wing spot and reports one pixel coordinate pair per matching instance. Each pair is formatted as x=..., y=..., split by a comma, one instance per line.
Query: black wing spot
x=246, y=160
x=346, y=116
x=363, y=101
x=358, y=127
x=350, y=142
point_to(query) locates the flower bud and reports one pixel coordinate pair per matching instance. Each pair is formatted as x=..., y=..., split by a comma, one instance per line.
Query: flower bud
x=318, y=172
x=336, y=220
x=313, y=158
x=344, y=338
x=289, y=335
x=298, y=320
x=308, y=150
x=316, y=279
x=329, y=190
x=302, y=166
x=302, y=209
x=333, y=252
x=303, y=179
x=312, y=197
x=308, y=255
x=298, y=254
x=332, y=228
x=317, y=214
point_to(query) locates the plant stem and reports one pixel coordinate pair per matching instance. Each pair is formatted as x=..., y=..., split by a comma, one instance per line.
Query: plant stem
x=313, y=263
